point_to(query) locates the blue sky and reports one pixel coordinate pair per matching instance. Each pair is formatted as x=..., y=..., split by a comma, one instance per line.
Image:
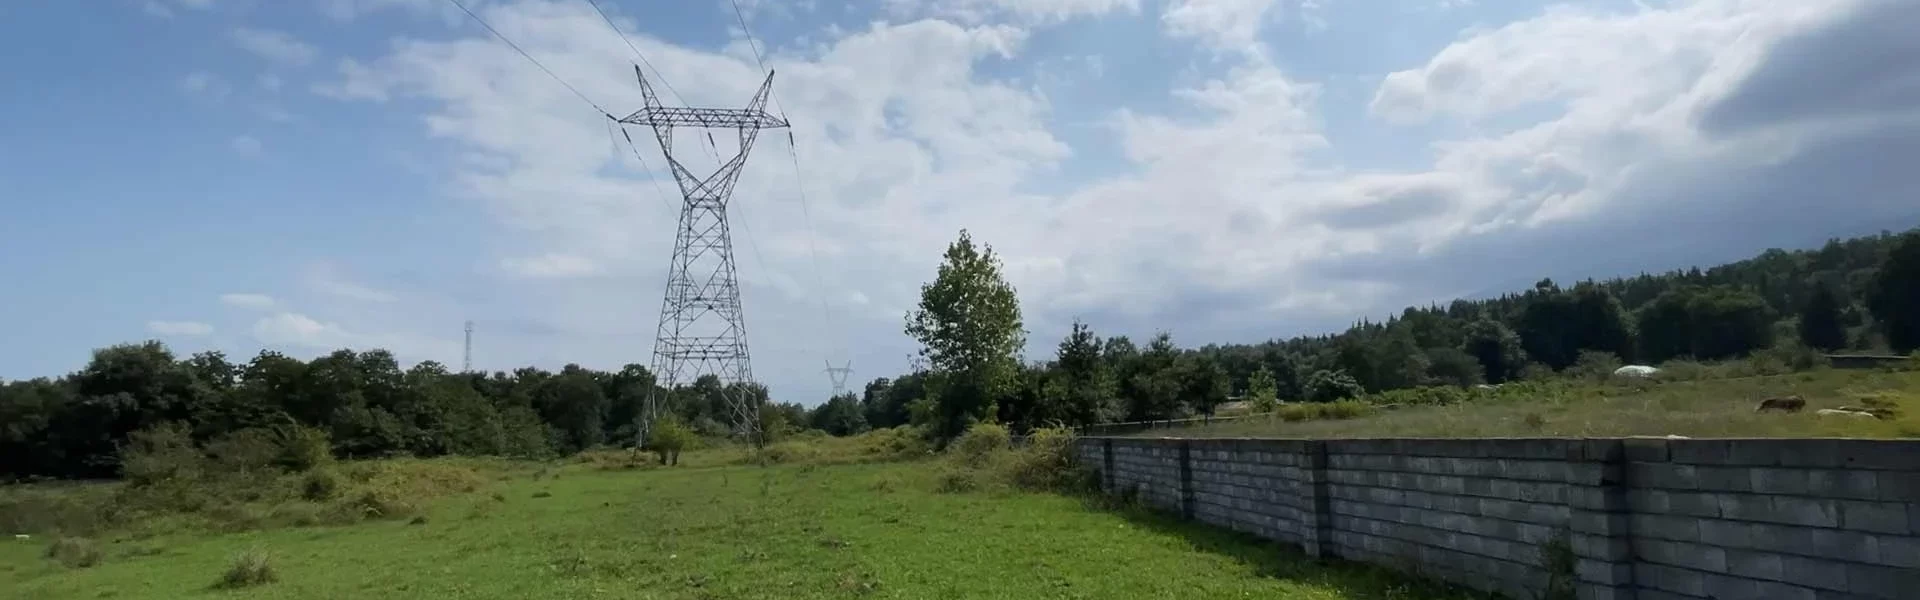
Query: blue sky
x=308, y=175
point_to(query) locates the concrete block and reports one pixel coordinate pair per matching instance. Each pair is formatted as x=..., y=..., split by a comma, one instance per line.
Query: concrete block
x=1882, y=582
x=1728, y=534
x=1756, y=565
x=1605, y=573
x=1814, y=572
x=1697, y=504
x=1725, y=586
x=1838, y=544
x=1670, y=579
x=1769, y=480
x=1783, y=591
x=1647, y=594
x=1747, y=507
x=1812, y=453
x=1600, y=523
x=1863, y=485
x=1645, y=449
x=1665, y=527
x=1599, y=592
x=1681, y=554
x=1698, y=452
x=1812, y=512
x=1877, y=517
x=1888, y=455
x=1600, y=548
x=1898, y=551
x=1723, y=479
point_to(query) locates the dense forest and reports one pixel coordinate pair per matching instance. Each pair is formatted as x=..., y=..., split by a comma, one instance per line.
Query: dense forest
x=1859, y=294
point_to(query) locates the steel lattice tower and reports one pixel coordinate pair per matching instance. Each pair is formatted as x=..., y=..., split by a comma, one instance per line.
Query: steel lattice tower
x=702, y=329
x=839, y=376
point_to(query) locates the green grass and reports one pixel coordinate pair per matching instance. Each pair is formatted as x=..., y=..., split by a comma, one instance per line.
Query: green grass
x=876, y=530
x=1692, y=408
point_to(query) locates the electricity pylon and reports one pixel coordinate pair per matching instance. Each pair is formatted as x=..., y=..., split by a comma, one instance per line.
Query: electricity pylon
x=702, y=328
x=839, y=376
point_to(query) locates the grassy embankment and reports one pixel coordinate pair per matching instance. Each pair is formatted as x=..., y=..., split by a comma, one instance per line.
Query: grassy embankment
x=871, y=516
x=1690, y=400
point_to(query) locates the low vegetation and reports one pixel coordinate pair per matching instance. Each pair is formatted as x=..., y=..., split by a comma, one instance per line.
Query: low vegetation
x=843, y=523
x=1686, y=399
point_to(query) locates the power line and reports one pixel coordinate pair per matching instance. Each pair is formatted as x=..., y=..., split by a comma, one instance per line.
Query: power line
x=657, y=73
x=749, y=32
x=530, y=58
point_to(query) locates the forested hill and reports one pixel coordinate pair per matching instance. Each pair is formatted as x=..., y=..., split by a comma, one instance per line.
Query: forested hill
x=1844, y=295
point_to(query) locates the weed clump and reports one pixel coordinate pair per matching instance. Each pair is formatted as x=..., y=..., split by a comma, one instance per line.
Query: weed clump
x=75, y=552
x=247, y=570
x=981, y=442
x=319, y=485
x=957, y=480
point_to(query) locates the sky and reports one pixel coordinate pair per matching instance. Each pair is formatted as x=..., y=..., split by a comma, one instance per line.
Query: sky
x=304, y=176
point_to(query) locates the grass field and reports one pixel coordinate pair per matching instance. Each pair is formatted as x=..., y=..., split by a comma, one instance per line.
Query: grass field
x=1692, y=408
x=792, y=531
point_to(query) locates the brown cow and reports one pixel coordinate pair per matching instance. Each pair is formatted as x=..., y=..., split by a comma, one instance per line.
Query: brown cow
x=1784, y=403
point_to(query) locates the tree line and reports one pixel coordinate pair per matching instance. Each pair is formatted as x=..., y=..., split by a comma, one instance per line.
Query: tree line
x=1850, y=294
x=1856, y=294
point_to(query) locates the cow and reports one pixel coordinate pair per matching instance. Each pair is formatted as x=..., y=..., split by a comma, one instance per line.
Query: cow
x=1784, y=403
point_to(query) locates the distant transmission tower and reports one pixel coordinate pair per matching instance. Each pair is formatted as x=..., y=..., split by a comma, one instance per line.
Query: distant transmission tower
x=466, y=360
x=702, y=329
x=839, y=375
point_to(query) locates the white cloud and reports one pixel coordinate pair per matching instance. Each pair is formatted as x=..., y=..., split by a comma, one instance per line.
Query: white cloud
x=275, y=46
x=179, y=328
x=550, y=265
x=296, y=330
x=248, y=301
x=1031, y=12
x=270, y=82
x=204, y=85
x=1225, y=215
x=245, y=145
x=1227, y=25
x=329, y=279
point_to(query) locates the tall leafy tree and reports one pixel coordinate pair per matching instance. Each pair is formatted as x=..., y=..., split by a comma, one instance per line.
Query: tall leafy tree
x=1496, y=348
x=1894, y=296
x=968, y=325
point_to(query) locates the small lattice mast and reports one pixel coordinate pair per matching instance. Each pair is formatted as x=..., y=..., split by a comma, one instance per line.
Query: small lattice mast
x=702, y=328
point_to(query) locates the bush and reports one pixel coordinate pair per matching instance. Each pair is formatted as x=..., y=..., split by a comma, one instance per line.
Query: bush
x=244, y=450
x=75, y=552
x=668, y=438
x=249, y=569
x=1345, y=409
x=957, y=480
x=160, y=454
x=302, y=448
x=981, y=441
x=319, y=485
x=1594, y=365
x=1047, y=463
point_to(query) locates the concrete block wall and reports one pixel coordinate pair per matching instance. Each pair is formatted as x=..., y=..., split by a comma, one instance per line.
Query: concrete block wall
x=1654, y=519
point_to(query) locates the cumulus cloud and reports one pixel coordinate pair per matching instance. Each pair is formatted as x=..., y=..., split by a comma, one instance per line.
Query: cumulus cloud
x=1634, y=131
x=248, y=301
x=276, y=46
x=206, y=86
x=299, y=331
x=330, y=279
x=1024, y=11
x=179, y=328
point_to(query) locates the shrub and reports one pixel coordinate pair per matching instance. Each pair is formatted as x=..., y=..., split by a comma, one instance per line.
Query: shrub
x=319, y=485
x=1295, y=412
x=160, y=454
x=1048, y=462
x=668, y=438
x=75, y=552
x=302, y=448
x=244, y=450
x=1594, y=365
x=1329, y=386
x=957, y=480
x=1345, y=409
x=249, y=569
x=790, y=452
x=981, y=441
x=378, y=503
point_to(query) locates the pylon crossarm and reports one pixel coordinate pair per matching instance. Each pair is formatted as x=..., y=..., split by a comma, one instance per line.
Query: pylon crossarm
x=709, y=118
